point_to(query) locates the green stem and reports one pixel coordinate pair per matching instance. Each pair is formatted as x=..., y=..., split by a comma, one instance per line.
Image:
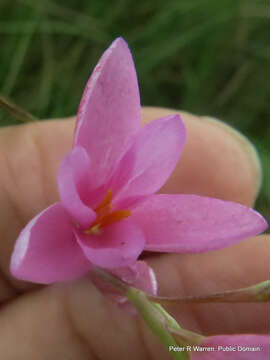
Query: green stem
x=122, y=287
x=256, y=293
x=154, y=317
x=171, y=322
x=14, y=110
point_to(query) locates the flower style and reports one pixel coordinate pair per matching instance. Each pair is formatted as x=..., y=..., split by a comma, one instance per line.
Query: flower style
x=108, y=212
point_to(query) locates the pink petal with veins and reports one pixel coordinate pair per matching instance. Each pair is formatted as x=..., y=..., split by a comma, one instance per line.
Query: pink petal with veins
x=193, y=224
x=110, y=112
x=46, y=250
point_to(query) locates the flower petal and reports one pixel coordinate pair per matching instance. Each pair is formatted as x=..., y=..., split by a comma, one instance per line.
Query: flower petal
x=46, y=250
x=139, y=275
x=193, y=224
x=241, y=347
x=118, y=245
x=110, y=112
x=72, y=184
x=150, y=159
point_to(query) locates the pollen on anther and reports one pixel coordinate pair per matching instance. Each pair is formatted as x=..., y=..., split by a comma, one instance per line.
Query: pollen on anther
x=95, y=230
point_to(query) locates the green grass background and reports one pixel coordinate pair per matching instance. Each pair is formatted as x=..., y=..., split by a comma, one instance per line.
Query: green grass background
x=209, y=57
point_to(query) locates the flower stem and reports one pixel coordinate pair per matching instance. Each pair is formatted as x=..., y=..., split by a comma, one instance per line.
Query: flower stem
x=154, y=315
x=109, y=278
x=256, y=293
x=14, y=110
x=171, y=322
x=186, y=337
x=156, y=320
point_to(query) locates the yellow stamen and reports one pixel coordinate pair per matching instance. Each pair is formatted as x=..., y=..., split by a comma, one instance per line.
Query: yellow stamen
x=103, y=212
x=106, y=201
x=95, y=230
x=114, y=217
x=105, y=215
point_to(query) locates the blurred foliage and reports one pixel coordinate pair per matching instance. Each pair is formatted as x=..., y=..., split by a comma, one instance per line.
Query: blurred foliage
x=204, y=56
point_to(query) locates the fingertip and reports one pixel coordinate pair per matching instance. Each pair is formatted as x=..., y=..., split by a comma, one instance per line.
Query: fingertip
x=248, y=148
x=217, y=161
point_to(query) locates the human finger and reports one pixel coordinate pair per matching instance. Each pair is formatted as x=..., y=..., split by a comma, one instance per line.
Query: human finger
x=75, y=321
x=217, y=160
x=30, y=156
x=237, y=266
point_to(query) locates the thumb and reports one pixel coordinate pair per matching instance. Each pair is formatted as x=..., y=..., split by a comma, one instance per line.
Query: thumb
x=73, y=321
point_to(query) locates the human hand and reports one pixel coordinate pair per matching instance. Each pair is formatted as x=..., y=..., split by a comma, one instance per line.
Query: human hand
x=74, y=321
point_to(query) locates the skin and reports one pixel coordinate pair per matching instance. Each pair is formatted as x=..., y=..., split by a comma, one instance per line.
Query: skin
x=74, y=321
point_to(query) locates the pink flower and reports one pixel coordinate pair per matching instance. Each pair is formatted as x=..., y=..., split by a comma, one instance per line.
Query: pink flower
x=238, y=347
x=109, y=212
